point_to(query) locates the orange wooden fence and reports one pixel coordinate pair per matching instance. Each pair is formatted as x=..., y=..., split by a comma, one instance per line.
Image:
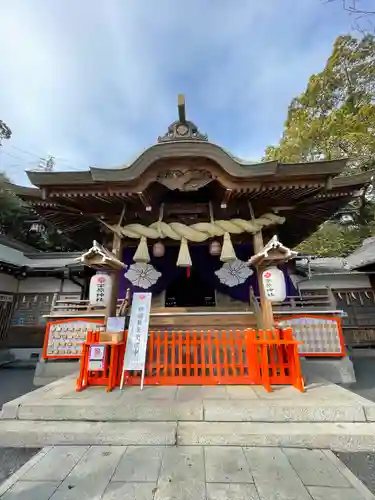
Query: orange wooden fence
x=221, y=357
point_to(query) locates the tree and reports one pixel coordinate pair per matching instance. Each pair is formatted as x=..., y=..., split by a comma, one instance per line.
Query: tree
x=5, y=132
x=332, y=240
x=19, y=221
x=334, y=118
x=362, y=12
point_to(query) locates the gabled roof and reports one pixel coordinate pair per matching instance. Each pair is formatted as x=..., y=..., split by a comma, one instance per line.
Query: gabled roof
x=361, y=257
x=364, y=255
x=186, y=149
x=37, y=260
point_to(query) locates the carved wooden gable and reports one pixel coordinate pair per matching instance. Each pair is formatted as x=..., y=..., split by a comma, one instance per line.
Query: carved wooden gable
x=184, y=179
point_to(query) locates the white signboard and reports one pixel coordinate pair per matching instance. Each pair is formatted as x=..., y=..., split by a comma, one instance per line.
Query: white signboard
x=96, y=352
x=116, y=324
x=136, y=344
x=96, y=365
x=274, y=284
x=96, y=357
x=6, y=298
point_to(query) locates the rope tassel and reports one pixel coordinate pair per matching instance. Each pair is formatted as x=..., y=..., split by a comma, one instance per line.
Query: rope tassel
x=142, y=254
x=227, y=252
x=184, y=259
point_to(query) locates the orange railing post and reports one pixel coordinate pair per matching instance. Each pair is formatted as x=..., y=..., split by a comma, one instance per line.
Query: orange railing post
x=222, y=357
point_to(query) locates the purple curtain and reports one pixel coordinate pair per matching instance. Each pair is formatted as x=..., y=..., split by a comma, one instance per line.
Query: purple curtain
x=206, y=266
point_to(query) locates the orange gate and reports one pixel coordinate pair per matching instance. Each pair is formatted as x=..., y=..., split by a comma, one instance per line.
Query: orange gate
x=221, y=357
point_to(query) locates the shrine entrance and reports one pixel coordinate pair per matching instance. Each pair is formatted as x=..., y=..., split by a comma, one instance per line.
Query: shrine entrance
x=189, y=290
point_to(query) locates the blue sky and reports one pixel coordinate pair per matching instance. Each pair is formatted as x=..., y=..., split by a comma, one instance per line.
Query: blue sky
x=95, y=82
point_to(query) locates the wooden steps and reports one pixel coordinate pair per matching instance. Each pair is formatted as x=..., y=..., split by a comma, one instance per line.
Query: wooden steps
x=200, y=319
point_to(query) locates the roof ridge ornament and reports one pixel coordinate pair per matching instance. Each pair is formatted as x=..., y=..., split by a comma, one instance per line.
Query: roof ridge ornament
x=182, y=129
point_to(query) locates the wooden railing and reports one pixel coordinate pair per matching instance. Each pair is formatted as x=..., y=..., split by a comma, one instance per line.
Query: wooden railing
x=221, y=357
x=320, y=300
x=323, y=300
x=77, y=307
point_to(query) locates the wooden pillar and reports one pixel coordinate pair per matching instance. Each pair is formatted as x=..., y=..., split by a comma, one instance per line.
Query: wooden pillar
x=116, y=250
x=266, y=306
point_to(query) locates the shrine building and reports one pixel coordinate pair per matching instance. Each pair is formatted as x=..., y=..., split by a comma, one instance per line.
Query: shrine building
x=196, y=226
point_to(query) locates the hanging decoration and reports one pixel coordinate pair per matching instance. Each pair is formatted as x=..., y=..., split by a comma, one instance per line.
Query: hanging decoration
x=142, y=275
x=184, y=259
x=274, y=284
x=142, y=253
x=100, y=289
x=227, y=252
x=215, y=248
x=197, y=233
x=158, y=250
x=234, y=273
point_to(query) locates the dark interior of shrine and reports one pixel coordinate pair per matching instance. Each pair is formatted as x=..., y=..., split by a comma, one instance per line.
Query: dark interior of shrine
x=188, y=290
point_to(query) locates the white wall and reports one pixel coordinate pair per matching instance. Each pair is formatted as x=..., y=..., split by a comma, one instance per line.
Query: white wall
x=336, y=282
x=69, y=287
x=39, y=285
x=8, y=283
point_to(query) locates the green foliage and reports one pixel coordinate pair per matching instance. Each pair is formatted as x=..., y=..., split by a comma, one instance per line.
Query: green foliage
x=334, y=118
x=17, y=218
x=334, y=240
x=5, y=132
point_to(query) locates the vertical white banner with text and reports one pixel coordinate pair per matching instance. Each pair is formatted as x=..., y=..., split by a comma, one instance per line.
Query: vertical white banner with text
x=136, y=344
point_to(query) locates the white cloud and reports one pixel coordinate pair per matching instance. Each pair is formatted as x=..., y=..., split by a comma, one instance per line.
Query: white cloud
x=94, y=82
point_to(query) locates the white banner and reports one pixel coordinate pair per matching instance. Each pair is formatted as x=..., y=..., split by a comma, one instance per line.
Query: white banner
x=136, y=344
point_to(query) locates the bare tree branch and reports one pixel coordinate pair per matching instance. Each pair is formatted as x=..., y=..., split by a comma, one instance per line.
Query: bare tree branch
x=364, y=16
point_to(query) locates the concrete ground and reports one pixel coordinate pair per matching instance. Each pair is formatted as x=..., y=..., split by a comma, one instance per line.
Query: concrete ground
x=14, y=382
x=362, y=464
x=184, y=472
x=365, y=373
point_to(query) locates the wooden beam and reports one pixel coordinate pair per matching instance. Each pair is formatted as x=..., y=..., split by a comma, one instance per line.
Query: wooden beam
x=329, y=183
x=122, y=215
x=227, y=195
x=145, y=201
x=117, y=251
x=266, y=306
x=282, y=208
x=181, y=108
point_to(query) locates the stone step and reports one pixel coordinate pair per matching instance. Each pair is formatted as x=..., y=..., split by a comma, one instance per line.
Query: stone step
x=106, y=409
x=329, y=435
x=336, y=436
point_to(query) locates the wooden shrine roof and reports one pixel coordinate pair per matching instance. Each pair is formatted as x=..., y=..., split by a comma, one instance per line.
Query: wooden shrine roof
x=184, y=171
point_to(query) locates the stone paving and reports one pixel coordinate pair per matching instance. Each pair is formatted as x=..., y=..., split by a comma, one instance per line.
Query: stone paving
x=183, y=472
x=325, y=416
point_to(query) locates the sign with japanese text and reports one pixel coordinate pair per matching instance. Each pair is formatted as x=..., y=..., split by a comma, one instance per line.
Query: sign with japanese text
x=136, y=345
x=97, y=352
x=100, y=289
x=96, y=357
x=274, y=284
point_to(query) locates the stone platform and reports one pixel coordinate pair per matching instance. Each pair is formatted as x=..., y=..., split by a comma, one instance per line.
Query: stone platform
x=325, y=416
